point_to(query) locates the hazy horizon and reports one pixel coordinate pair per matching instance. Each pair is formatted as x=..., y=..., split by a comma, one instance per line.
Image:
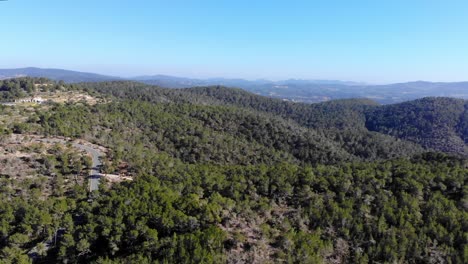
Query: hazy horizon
x=229, y=78
x=362, y=41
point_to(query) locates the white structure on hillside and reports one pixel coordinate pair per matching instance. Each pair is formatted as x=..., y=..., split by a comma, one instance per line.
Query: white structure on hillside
x=37, y=100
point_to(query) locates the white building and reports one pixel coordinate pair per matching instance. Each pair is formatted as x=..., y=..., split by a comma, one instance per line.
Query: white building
x=37, y=100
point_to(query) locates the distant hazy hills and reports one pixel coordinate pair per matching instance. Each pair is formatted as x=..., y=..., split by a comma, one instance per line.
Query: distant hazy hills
x=56, y=74
x=309, y=91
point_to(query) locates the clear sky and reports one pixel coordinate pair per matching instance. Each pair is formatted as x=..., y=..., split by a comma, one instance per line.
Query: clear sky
x=372, y=41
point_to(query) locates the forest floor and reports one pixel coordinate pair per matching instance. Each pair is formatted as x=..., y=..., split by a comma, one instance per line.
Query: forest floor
x=24, y=165
x=70, y=97
x=22, y=159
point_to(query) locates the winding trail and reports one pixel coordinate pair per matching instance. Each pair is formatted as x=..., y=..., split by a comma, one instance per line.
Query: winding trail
x=94, y=174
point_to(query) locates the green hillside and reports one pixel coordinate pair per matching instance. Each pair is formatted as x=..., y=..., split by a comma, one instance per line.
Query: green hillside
x=436, y=123
x=225, y=176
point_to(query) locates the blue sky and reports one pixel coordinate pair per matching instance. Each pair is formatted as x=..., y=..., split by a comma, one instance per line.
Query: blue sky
x=371, y=41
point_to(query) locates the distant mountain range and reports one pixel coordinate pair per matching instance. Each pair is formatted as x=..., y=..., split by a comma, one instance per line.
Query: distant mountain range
x=56, y=74
x=309, y=91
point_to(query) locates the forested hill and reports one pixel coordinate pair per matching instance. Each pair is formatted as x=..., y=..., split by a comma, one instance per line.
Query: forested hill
x=333, y=114
x=359, y=127
x=327, y=121
x=224, y=176
x=434, y=123
x=437, y=123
